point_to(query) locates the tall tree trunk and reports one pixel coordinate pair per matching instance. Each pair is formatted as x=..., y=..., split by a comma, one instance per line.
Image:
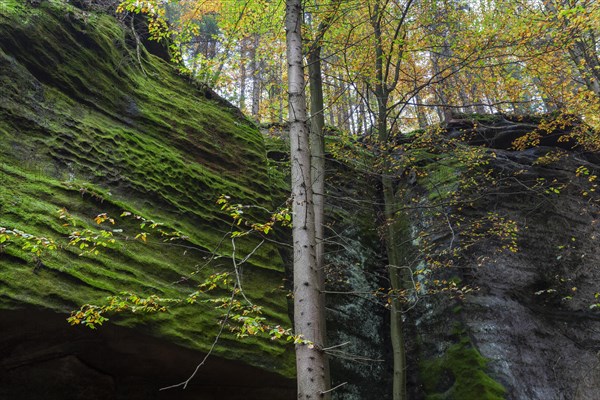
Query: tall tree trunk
x=583, y=50
x=395, y=236
x=549, y=103
x=587, y=64
x=256, y=76
x=317, y=149
x=443, y=109
x=351, y=122
x=344, y=106
x=280, y=92
x=308, y=304
x=243, y=75
x=382, y=93
x=328, y=85
x=361, y=117
x=394, y=246
x=476, y=93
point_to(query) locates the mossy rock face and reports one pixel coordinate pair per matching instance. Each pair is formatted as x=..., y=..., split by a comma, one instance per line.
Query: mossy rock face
x=460, y=374
x=88, y=125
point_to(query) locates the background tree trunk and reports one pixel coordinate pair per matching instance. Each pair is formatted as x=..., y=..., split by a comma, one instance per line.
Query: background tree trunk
x=256, y=66
x=243, y=75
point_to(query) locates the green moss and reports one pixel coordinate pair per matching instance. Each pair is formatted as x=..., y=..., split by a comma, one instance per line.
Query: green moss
x=460, y=374
x=86, y=125
x=442, y=177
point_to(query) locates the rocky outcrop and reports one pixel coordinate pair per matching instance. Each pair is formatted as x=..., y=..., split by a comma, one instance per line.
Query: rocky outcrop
x=531, y=329
x=91, y=123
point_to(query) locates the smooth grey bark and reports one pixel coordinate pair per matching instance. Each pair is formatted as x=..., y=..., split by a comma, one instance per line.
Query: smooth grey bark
x=395, y=236
x=317, y=145
x=328, y=82
x=361, y=118
x=588, y=64
x=317, y=149
x=308, y=305
x=444, y=112
x=351, y=122
x=549, y=103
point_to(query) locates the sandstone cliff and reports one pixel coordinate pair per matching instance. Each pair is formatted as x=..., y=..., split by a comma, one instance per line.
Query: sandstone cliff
x=92, y=122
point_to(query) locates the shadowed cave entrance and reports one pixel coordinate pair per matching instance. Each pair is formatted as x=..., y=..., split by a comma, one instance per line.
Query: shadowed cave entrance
x=41, y=357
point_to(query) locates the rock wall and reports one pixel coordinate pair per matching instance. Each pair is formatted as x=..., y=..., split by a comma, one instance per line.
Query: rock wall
x=355, y=268
x=531, y=329
x=91, y=122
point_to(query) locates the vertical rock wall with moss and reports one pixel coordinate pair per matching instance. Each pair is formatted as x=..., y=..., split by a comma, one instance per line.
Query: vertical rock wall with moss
x=92, y=123
x=508, y=303
x=355, y=269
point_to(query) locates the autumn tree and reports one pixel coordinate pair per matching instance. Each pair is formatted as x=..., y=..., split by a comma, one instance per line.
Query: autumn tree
x=309, y=307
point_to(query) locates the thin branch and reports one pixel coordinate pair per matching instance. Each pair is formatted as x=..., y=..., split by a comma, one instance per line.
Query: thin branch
x=185, y=383
x=333, y=388
x=337, y=345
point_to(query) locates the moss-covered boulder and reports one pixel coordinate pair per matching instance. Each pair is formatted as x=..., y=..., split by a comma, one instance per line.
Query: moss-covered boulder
x=92, y=123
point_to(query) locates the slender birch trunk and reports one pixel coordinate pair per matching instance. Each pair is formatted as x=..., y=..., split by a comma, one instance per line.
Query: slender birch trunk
x=308, y=305
x=317, y=149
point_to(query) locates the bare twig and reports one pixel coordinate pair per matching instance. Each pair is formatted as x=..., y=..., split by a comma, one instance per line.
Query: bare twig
x=212, y=347
x=334, y=388
x=236, y=267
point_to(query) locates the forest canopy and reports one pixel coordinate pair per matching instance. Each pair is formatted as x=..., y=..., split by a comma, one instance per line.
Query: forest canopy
x=440, y=57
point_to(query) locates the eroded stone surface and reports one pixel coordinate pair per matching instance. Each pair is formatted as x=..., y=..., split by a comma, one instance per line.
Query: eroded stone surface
x=531, y=316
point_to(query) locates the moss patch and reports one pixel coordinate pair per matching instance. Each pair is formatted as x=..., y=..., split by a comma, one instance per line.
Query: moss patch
x=460, y=374
x=87, y=125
